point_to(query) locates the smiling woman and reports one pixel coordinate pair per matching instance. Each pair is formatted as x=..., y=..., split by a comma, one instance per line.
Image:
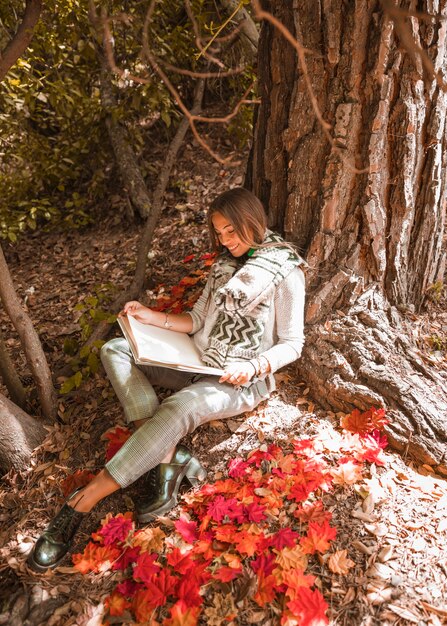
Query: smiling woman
x=248, y=322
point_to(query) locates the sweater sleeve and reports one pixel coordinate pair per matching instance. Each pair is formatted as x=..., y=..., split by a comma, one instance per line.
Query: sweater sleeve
x=198, y=312
x=289, y=313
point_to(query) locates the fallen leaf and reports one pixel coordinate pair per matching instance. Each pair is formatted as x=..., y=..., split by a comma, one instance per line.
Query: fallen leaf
x=339, y=563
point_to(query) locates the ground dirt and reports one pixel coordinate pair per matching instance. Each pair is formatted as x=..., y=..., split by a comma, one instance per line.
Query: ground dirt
x=398, y=543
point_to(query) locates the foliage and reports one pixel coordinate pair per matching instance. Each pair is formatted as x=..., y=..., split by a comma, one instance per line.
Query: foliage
x=258, y=529
x=57, y=163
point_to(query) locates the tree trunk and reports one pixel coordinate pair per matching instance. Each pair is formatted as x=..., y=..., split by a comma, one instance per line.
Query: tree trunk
x=125, y=157
x=9, y=376
x=373, y=240
x=30, y=341
x=19, y=435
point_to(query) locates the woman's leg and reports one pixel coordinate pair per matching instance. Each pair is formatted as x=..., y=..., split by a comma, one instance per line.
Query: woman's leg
x=176, y=416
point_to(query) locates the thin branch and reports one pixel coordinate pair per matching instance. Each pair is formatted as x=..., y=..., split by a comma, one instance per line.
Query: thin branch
x=220, y=29
x=184, y=72
x=103, y=328
x=198, y=39
x=19, y=43
x=411, y=46
x=301, y=53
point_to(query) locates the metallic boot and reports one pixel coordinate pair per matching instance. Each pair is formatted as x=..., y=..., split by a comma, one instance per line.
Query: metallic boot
x=56, y=540
x=164, y=482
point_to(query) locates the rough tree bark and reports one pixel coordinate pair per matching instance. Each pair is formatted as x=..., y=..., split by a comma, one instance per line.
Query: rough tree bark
x=125, y=157
x=373, y=240
x=10, y=377
x=19, y=435
x=30, y=341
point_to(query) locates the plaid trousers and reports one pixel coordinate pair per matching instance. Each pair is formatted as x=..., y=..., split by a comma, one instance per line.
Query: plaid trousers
x=197, y=400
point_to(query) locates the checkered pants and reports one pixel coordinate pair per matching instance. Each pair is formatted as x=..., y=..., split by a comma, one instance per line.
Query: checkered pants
x=197, y=400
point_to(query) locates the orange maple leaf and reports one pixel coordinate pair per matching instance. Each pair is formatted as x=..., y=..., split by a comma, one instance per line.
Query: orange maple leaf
x=116, y=604
x=339, y=563
x=348, y=472
x=266, y=590
x=365, y=422
x=181, y=615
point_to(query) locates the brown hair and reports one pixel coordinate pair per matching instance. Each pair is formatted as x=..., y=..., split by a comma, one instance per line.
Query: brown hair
x=245, y=213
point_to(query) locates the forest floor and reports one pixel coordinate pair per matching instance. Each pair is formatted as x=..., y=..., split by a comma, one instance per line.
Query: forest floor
x=392, y=521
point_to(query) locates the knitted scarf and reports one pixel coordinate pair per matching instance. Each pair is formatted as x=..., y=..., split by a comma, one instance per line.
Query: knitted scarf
x=243, y=296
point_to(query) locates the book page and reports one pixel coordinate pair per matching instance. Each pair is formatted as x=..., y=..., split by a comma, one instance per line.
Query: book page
x=165, y=347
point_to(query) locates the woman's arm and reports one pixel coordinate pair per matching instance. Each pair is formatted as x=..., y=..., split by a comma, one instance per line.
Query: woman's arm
x=180, y=322
x=289, y=311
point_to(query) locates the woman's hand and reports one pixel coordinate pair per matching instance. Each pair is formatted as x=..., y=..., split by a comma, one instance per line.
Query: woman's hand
x=137, y=310
x=238, y=373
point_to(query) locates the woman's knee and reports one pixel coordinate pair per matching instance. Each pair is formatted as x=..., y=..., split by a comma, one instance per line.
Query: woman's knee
x=114, y=347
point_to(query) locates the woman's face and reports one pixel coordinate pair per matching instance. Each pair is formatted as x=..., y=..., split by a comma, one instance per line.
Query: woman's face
x=227, y=235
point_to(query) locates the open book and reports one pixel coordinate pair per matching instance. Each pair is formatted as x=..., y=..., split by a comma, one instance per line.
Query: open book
x=151, y=345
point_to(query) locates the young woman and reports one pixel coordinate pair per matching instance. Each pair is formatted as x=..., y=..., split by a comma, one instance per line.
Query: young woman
x=248, y=322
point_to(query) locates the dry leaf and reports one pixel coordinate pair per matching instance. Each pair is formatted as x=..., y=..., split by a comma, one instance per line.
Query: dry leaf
x=435, y=609
x=379, y=597
x=405, y=613
x=150, y=539
x=385, y=554
x=380, y=571
x=339, y=563
x=379, y=530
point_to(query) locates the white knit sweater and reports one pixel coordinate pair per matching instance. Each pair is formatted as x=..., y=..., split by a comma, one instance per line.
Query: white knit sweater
x=284, y=328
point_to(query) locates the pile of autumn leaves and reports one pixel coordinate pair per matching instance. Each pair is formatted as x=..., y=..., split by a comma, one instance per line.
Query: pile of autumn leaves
x=255, y=530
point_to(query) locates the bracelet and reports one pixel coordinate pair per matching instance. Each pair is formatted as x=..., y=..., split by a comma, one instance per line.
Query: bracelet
x=167, y=324
x=254, y=367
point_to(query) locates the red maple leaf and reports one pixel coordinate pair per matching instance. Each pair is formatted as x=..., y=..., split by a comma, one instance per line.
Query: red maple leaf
x=188, y=591
x=188, y=258
x=237, y=468
x=310, y=607
x=116, y=437
x=129, y=556
x=116, y=604
x=220, y=507
x=128, y=587
x=382, y=440
x=161, y=587
x=264, y=563
x=187, y=529
x=318, y=538
x=255, y=512
x=79, y=479
x=225, y=574
x=179, y=561
x=116, y=529
x=284, y=538
x=146, y=567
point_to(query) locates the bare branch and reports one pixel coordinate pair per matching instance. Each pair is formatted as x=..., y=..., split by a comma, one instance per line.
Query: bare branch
x=22, y=38
x=198, y=39
x=410, y=44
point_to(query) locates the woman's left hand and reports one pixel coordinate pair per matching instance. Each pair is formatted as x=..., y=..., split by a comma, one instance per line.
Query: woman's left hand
x=238, y=373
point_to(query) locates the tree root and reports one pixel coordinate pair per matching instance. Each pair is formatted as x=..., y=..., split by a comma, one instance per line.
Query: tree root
x=362, y=359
